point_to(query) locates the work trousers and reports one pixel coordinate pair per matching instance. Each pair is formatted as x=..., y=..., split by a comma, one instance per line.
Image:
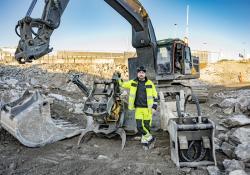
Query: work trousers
x=143, y=118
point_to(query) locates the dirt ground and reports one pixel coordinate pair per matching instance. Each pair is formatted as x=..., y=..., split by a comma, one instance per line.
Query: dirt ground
x=99, y=155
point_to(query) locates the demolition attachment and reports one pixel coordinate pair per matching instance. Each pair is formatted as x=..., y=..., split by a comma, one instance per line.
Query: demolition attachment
x=191, y=138
x=29, y=120
x=104, y=110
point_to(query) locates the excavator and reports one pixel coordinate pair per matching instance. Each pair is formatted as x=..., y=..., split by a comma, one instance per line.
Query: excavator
x=168, y=62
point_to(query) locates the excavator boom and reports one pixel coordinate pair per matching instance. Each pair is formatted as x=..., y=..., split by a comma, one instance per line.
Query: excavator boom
x=33, y=45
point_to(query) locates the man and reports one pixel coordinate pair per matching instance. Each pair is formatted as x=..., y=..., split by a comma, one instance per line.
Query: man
x=142, y=99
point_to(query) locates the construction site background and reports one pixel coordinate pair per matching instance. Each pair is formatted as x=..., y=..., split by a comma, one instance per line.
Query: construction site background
x=223, y=71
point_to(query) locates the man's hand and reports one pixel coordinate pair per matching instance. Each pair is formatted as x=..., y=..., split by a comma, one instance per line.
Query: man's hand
x=116, y=75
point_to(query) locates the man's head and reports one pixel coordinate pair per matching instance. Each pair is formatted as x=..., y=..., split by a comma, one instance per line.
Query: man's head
x=141, y=73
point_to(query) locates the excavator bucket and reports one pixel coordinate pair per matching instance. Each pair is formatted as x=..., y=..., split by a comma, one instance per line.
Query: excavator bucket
x=29, y=120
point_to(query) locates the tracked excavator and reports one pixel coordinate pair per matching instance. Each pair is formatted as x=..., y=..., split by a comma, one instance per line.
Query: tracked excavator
x=168, y=62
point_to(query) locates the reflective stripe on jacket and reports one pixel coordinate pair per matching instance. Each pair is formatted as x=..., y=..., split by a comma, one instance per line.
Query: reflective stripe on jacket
x=132, y=86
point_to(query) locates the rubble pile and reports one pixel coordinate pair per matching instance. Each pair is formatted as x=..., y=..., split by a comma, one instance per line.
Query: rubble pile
x=102, y=70
x=226, y=73
x=53, y=81
x=233, y=130
x=50, y=78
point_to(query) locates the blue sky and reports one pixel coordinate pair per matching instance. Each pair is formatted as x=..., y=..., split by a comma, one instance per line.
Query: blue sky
x=92, y=25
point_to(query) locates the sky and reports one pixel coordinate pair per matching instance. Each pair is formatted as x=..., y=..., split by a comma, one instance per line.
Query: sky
x=220, y=26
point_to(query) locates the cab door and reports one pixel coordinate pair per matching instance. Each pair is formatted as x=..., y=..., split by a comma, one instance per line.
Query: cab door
x=187, y=62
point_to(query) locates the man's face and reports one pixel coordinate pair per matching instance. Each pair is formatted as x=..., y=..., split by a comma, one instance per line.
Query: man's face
x=141, y=75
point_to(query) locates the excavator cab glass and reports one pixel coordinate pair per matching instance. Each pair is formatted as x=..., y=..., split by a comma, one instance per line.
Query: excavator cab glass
x=187, y=61
x=178, y=58
x=164, y=63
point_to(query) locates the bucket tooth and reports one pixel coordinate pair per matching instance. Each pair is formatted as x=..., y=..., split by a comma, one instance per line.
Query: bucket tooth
x=86, y=135
x=29, y=120
x=122, y=134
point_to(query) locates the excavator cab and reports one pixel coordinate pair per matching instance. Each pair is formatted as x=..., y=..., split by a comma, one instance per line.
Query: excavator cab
x=174, y=61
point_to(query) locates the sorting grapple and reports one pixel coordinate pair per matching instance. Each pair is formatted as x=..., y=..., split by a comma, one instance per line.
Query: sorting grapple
x=104, y=109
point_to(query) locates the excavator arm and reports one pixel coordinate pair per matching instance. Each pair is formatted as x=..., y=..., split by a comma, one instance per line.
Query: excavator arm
x=35, y=33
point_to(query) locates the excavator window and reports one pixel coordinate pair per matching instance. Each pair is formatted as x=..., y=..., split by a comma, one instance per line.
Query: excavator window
x=178, y=56
x=187, y=54
x=164, y=60
x=188, y=60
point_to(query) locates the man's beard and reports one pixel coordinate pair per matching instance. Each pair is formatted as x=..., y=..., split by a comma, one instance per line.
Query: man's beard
x=141, y=78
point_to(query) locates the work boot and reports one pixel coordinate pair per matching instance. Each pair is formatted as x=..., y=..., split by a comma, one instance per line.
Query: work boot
x=149, y=145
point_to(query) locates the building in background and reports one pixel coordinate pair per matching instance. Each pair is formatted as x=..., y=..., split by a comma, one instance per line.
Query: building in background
x=7, y=53
x=206, y=56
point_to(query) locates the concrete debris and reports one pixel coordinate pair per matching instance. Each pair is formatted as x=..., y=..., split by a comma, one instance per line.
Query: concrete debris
x=238, y=104
x=228, y=149
x=242, y=151
x=228, y=103
x=101, y=157
x=231, y=165
x=217, y=143
x=158, y=172
x=187, y=170
x=213, y=170
x=244, y=103
x=199, y=172
x=11, y=82
x=220, y=128
x=228, y=111
x=238, y=172
x=223, y=137
x=241, y=135
x=233, y=94
x=59, y=97
x=235, y=121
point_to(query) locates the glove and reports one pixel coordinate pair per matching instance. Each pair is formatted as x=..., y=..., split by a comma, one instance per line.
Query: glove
x=116, y=75
x=119, y=74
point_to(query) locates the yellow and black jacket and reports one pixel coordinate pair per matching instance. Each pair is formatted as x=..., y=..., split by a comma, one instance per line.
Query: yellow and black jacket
x=150, y=92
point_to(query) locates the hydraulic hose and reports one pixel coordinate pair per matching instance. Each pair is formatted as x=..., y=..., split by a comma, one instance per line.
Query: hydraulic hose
x=197, y=107
x=178, y=107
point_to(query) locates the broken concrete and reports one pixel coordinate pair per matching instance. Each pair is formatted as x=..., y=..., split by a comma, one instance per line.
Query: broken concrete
x=213, y=170
x=235, y=121
x=241, y=135
x=228, y=103
x=242, y=151
x=228, y=149
x=238, y=172
x=231, y=165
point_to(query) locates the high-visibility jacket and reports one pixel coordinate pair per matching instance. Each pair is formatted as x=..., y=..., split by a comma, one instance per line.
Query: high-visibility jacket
x=132, y=86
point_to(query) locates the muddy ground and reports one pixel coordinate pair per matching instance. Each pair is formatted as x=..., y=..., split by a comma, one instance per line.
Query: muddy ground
x=99, y=155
